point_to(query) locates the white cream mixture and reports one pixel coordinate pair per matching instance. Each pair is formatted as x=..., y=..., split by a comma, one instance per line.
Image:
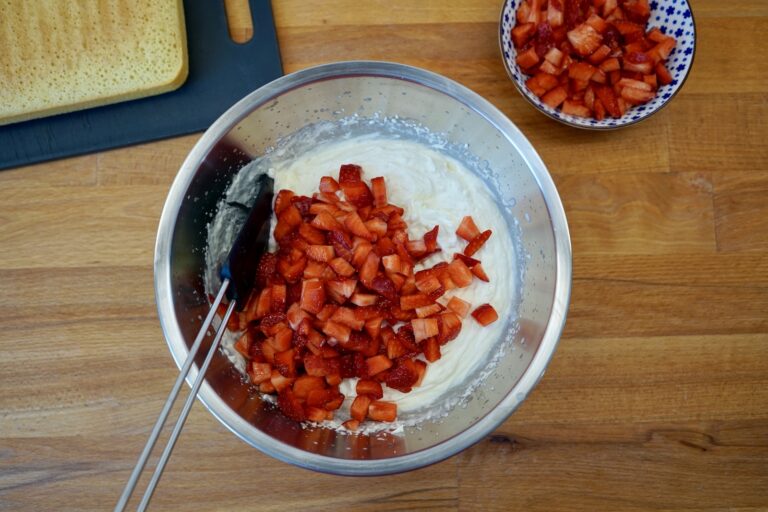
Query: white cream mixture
x=434, y=189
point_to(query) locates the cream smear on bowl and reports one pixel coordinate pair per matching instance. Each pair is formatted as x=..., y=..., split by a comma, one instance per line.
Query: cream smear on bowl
x=434, y=189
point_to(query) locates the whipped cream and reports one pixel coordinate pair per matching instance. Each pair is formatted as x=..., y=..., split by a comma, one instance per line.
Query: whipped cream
x=434, y=189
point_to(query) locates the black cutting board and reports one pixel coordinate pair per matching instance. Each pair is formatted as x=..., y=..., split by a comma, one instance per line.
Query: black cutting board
x=221, y=72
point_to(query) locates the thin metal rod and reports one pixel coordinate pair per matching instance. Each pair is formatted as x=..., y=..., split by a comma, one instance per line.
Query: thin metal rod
x=134, y=478
x=184, y=412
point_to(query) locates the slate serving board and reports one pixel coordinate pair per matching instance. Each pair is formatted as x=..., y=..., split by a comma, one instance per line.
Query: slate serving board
x=221, y=72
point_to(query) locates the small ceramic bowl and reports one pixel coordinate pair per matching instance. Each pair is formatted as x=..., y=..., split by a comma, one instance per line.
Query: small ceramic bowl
x=673, y=17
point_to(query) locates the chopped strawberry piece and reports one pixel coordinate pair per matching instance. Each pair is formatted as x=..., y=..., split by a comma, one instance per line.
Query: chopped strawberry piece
x=573, y=108
x=383, y=286
x=324, y=253
x=555, y=15
x=281, y=340
x=528, y=58
x=360, y=252
x=543, y=82
x=243, y=345
x=480, y=272
x=373, y=327
x=379, y=192
x=392, y=263
x=370, y=388
x=266, y=269
x=359, y=408
x=431, y=348
x=485, y=314
x=311, y=234
x=342, y=267
x=334, y=403
x=424, y=328
x=608, y=99
x=382, y=411
x=290, y=405
x=347, y=317
x=351, y=425
x=637, y=61
x=377, y=227
x=283, y=200
x=317, y=414
x=260, y=372
x=521, y=33
x=325, y=222
x=467, y=229
x=337, y=331
x=369, y=269
x=430, y=239
x=285, y=363
x=350, y=173
x=460, y=273
x=585, y=39
x=363, y=299
x=449, y=326
x=356, y=226
x=581, y=71
x=555, y=97
x=328, y=185
x=315, y=365
x=477, y=242
x=427, y=311
x=554, y=57
x=636, y=96
x=377, y=364
x=312, y=296
x=319, y=397
x=600, y=55
x=428, y=283
x=459, y=306
x=611, y=64
x=414, y=301
x=267, y=387
x=306, y=383
x=401, y=377
x=340, y=289
x=664, y=76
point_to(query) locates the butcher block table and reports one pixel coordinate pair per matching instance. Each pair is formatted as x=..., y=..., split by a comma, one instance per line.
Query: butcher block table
x=657, y=396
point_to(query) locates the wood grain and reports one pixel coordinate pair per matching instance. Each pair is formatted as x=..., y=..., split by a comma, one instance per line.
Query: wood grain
x=656, y=399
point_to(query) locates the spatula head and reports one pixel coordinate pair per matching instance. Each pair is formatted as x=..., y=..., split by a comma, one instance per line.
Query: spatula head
x=252, y=241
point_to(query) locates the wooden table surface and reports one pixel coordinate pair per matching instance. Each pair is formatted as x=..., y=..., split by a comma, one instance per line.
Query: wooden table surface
x=657, y=397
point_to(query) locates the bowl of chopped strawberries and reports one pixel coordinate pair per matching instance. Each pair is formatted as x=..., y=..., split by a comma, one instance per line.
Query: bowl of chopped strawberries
x=417, y=275
x=598, y=64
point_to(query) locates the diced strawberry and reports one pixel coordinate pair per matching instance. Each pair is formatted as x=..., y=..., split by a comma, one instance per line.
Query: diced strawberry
x=528, y=58
x=325, y=222
x=356, y=226
x=430, y=239
x=609, y=6
x=555, y=15
x=266, y=269
x=608, y=99
x=350, y=173
x=306, y=383
x=485, y=314
x=382, y=411
x=416, y=248
x=363, y=299
x=597, y=23
x=263, y=305
x=395, y=349
x=599, y=110
x=414, y=301
x=467, y=229
x=636, y=84
x=373, y=327
x=477, y=242
x=283, y=200
x=480, y=273
x=459, y=306
x=347, y=317
x=421, y=369
x=661, y=51
x=337, y=331
x=359, y=408
x=312, y=296
x=460, y=273
x=611, y=64
x=259, y=372
x=290, y=405
x=351, y=425
x=431, y=348
x=369, y=269
x=324, y=253
x=392, y=263
x=360, y=252
x=243, y=345
x=267, y=387
x=316, y=270
x=424, y=328
x=449, y=325
x=319, y=397
x=358, y=194
x=577, y=109
x=585, y=39
x=311, y=234
x=401, y=377
x=545, y=68
x=353, y=365
x=396, y=223
x=328, y=185
x=651, y=81
x=523, y=12
x=342, y=267
x=315, y=365
x=600, y=55
x=638, y=62
x=281, y=340
x=334, y=403
x=379, y=189
x=370, y=388
x=521, y=33
x=317, y=414
x=383, y=285
x=581, y=71
x=554, y=57
x=285, y=363
x=340, y=289
x=636, y=96
x=663, y=74
x=599, y=77
x=555, y=97
x=427, y=311
x=427, y=283
x=377, y=364
x=377, y=227
x=637, y=10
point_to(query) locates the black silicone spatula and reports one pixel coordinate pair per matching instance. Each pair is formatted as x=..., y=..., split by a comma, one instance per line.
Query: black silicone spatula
x=237, y=279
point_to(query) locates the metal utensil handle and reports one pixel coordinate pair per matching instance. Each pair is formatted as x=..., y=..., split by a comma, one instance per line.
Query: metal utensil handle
x=160, y=423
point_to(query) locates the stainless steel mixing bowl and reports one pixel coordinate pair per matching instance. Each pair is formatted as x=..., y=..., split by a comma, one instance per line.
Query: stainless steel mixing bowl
x=326, y=93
